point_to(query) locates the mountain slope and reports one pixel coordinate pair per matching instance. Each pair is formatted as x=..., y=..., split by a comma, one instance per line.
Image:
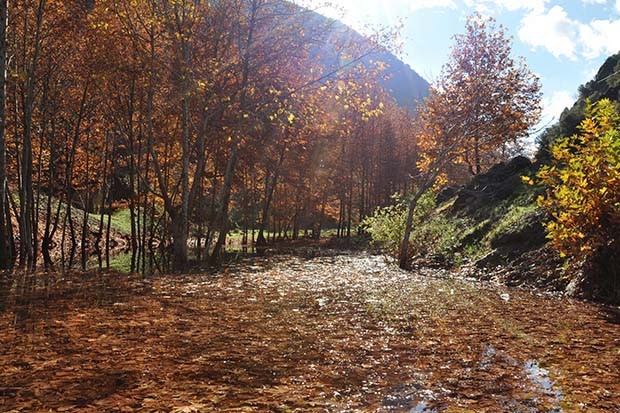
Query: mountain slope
x=606, y=84
x=403, y=83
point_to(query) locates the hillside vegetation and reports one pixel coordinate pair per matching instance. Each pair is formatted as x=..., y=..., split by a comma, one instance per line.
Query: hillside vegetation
x=552, y=224
x=491, y=228
x=606, y=84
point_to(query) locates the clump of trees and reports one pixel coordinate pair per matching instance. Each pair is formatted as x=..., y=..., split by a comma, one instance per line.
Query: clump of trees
x=606, y=84
x=198, y=117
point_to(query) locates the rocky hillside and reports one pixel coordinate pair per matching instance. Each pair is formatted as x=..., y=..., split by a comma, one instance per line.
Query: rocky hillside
x=499, y=228
x=492, y=229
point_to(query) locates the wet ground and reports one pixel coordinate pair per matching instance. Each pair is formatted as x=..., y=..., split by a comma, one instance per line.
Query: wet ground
x=341, y=333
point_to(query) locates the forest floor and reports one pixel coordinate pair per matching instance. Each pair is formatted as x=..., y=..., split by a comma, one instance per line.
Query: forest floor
x=332, y=333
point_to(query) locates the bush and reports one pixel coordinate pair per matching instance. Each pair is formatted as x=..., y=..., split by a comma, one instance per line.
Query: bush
x=583, y=194
x=387, y=225
x=584, y=184
x=431, y=235
x=436, y=237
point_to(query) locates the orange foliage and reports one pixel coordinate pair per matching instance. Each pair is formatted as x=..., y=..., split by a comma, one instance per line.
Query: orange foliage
x=484, y=101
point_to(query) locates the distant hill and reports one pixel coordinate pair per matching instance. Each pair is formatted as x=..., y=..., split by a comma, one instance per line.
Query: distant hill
x=404, y=84
x=407, y=86
x=606, y=84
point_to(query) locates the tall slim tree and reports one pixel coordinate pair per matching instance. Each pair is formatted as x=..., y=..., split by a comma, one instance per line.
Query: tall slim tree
x=6, y=258
x=483, y=85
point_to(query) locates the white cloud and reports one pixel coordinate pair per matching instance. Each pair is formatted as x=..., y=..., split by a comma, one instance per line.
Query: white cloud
x=600, y=37
x=618, y=6
x=432, y=4
x=552, y=30
x=561, y=35
x=555, y=104
x=510, y=5
x=594, y=1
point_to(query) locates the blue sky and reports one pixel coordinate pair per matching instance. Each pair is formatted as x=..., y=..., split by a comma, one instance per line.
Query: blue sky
x=563, y=41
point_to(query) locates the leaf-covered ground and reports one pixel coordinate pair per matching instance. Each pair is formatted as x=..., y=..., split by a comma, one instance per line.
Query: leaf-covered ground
x=348, y=333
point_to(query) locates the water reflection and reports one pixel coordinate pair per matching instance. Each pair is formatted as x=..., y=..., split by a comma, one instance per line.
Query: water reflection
x=422, y=407
x=539, y=377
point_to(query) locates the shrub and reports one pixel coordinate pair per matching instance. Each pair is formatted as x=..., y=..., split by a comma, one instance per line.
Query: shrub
x=583, y=194
x=584, y=184
x=387, y=226
x=436, y=237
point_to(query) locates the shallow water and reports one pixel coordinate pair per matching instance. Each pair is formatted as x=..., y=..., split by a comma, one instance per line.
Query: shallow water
x=348, y=333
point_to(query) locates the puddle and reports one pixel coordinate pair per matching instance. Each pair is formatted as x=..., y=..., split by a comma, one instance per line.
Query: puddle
x=422, y=407
x=487, y=356
x=404, y=397
x=539, y=377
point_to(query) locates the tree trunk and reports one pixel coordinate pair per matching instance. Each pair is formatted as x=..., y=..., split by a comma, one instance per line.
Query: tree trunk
x=222, y=215
x=403, y=255
x=221, y=218
x=6, y=256
x=477, y=155
x=269, y=190
x=180, y=223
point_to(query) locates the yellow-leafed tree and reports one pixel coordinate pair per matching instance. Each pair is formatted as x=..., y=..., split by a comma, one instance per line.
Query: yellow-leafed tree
x=583, y=195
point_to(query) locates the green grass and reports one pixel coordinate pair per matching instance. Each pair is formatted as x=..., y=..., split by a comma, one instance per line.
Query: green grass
x=120, y=262
x=121, y=220
x=460, y=238
x=515, y=217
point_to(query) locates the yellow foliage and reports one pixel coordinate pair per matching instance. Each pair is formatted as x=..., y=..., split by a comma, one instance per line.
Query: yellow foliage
x=583, y=183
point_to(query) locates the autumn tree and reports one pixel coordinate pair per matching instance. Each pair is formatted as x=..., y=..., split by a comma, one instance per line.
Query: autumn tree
x=583, y=192
x=483, y=85
x=186, y=113
x=483, y=101
x=43, y=33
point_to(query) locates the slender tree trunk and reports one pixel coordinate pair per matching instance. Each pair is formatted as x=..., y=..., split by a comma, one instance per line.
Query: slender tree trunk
x=70, y=190
x=6, y=256
x=362, y=198
x=132, y=176
x=180, y=224
x=150, y=138
x=84, y=234
x=477, y=155
x=350, y=207
x=105, y=191
x=28, y=238
x=222, y=215
x=429, y=181
x=51, y=223
x=269, y=190
x=145, y=210
x=43, y=132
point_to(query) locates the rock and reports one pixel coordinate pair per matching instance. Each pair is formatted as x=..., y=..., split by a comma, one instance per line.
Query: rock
x=499, y=183
x=527, y=235
x=446, y=194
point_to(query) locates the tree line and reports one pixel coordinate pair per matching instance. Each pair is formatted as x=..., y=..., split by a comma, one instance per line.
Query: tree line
x=199, y=117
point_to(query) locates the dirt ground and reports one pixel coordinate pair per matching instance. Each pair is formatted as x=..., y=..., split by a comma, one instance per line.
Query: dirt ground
x=336, y=333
